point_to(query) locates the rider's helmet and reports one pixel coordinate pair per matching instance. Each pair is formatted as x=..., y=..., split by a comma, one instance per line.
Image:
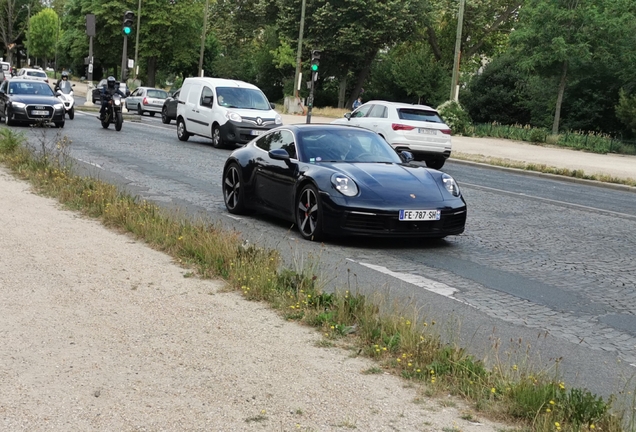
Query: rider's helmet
x=65, y=75
x=111, y=81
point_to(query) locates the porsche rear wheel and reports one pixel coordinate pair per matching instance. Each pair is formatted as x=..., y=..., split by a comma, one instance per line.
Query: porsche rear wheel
x=233, y=190
x=309, y=213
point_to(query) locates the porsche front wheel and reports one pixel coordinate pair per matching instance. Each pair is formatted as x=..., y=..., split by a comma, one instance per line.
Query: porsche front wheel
x=309, y=213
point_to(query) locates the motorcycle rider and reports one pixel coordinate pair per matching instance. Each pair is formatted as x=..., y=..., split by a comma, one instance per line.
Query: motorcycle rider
x=106, y=93
x=63, y=83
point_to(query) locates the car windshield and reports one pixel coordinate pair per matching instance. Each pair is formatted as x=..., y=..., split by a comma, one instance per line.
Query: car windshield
x=158, y=94
x=345, y=145
x=419, y=115
x=236, y=97
x=30, y=88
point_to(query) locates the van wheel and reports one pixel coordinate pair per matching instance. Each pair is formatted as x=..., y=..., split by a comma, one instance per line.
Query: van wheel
x=217, y=141
x=182, y=132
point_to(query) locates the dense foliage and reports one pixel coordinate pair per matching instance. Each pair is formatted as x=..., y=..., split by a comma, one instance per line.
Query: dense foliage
x=554, y=64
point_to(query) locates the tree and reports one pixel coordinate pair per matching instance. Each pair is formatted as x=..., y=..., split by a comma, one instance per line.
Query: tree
x=558, y=36
x=43, y=33
x=12, y=25
x=363, y=28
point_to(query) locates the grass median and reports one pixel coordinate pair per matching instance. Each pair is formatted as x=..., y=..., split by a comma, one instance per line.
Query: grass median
x=394, y=334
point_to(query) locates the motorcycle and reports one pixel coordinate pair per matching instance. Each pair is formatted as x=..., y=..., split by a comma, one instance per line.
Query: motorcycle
x=65, y=94
x=113, y=113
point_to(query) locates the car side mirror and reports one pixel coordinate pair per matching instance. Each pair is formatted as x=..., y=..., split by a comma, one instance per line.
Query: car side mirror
x=72, y=85
x=406, y=156
x=347, y=116
x=272, y=105
x=279, y=154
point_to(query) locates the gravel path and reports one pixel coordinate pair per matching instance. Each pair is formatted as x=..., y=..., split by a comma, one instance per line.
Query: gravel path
x=102, y=333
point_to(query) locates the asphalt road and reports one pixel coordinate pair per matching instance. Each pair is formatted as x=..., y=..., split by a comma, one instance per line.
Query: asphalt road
x=545, y=266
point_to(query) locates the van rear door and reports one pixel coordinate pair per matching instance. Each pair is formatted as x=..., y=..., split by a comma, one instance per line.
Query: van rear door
x=191, y=113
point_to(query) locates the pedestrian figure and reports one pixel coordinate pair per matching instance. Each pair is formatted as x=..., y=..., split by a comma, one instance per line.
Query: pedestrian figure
x=357, y=103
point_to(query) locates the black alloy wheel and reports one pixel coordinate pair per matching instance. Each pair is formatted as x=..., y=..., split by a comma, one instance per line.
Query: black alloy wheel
x=233, y=190
x=182, y=132
x=309, y=213
x=7, y=119
x=164, y=116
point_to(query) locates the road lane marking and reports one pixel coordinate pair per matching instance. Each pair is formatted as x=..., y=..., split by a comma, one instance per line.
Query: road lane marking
x=420, y=281
x=548, y=200
x=232, y=217
x=90, y=163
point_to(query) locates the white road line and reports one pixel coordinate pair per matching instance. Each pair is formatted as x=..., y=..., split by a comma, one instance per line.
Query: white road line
x=232, y=217
x=420, y=281
x=520, y=194
x=90, y=163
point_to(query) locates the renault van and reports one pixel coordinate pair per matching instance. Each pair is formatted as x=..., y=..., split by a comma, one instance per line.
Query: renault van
x=226, y=111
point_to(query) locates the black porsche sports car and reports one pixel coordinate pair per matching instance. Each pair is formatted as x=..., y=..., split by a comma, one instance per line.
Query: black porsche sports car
x=333, y=179
x=29, y=101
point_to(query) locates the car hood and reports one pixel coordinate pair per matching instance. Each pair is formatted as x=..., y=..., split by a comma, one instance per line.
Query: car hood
x=392, y=181
x=35, y=99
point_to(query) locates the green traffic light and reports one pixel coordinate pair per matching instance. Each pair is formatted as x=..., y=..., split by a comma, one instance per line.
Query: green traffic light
x=314, y=67
x=127, y=30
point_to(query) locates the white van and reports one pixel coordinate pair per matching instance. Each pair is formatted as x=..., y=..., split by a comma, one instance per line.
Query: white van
x=227, y=111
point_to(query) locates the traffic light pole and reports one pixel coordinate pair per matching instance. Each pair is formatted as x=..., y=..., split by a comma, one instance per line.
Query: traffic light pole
x=124, y=56
x=310, y=99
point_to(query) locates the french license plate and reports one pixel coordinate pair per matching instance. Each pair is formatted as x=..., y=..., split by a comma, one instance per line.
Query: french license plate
x=427, y=131
x=420, y=215
x=258, y=132
x=41, y=113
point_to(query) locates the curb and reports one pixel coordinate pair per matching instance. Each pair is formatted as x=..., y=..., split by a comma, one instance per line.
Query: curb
x=609, y=185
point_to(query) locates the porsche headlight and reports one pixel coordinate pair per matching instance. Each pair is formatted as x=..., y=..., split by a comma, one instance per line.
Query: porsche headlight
x=17, y=105
x=279, y=119
x=344, y=185
x=233, y=117
x=58, y=106
x=451, y=185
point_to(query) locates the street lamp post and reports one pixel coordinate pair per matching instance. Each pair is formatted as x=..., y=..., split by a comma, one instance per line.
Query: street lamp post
x=205, y=29
x=136, y=68
x=28, y=6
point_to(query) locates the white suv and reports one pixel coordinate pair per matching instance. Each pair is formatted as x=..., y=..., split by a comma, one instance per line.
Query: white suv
x=415, y=128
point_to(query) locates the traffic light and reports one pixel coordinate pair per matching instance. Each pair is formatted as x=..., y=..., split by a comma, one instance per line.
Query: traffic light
x=128, y=22
x=315, y=60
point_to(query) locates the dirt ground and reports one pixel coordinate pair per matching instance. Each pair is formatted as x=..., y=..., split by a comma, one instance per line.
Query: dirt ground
x=100, y=332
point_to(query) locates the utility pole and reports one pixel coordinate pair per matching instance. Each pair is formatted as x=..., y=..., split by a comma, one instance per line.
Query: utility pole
x=300, y=48
x=205, y=29
x=136, y=68
x=454, y=93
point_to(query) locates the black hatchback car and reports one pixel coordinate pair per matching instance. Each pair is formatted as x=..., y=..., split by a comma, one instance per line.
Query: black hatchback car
x=169, y=109
x=29, y=101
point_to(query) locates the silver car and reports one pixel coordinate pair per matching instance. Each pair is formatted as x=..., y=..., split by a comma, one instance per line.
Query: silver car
x=146, y=99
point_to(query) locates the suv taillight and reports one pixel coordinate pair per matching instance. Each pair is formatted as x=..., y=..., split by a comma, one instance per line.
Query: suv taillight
x=397, y=127
x=445, y=131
